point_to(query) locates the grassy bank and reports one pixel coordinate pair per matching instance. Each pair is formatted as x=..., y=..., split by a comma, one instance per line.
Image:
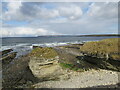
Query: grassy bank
x=104, y=48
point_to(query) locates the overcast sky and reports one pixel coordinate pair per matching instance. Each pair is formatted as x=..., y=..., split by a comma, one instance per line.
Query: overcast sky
x=33, y=19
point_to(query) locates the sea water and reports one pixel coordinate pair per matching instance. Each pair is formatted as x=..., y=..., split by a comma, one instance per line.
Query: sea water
x=23, y=45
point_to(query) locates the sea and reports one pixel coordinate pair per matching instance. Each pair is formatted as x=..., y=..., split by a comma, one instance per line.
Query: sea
x=23, y=45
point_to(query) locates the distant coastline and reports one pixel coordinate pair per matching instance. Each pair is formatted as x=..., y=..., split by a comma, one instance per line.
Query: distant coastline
x=86, y=35
x=100, y=35
x=89, y=35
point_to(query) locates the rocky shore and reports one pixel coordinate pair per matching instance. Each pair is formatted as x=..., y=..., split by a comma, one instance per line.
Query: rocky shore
x=92, y=64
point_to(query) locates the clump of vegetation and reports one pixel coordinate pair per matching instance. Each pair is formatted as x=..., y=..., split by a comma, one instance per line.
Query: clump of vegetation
x=104, y=47
x=64, y=65
x=46, y=52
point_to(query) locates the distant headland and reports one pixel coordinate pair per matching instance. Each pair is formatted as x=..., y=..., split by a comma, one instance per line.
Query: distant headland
x=87, y=35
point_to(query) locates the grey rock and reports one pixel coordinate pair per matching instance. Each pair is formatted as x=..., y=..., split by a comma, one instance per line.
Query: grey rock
x=37, y=47
x=6, y=51
x=6, y=59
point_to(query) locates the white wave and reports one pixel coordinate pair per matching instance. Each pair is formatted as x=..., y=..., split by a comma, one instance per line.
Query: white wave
x=27, y=46
x=6, y=47
x=56, y=44
x=14, y=47
x=22, y=44
x=24, y=48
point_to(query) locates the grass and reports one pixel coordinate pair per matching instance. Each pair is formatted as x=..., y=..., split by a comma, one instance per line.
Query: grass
x=103, y=47
x=46, y=52
x=64, y=65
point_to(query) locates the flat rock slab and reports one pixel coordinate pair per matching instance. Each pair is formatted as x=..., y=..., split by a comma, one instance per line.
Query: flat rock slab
x=45, y=70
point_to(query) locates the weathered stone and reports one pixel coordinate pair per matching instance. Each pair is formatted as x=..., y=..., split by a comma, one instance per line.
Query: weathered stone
x=45, y=67
x=107, y=48
x=44, y=70
x=102, y=62
x=104, y=53
x=71, y=60
x=6, y=51
x=6, y=59
x=37, y=47
x=17, y=73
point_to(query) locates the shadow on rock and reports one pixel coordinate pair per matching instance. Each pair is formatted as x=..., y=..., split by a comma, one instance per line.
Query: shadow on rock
x=101, y=62
x=18, y=73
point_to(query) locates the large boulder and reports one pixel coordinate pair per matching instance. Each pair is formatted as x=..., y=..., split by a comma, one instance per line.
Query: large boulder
x=44, y=64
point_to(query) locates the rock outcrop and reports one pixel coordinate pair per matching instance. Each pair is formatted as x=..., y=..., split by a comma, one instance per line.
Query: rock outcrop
x=107, y=48
x=105, y=53
x=7, y=56
x=6, y=59
x=44, y=64
x=36, y=47
x=18, y=74
x=15, y=71
x=6, y=51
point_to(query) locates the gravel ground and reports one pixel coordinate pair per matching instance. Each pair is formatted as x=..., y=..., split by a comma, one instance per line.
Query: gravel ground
x=83, y=79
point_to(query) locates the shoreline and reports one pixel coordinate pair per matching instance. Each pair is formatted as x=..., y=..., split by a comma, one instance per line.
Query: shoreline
x=67, y=53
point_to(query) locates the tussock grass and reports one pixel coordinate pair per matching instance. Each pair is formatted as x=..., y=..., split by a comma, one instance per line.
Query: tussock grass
x=46, y=52
x=103, y=47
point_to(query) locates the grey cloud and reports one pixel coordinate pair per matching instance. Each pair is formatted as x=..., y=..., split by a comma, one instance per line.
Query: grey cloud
x=103, y=10
x=99, y=18
x=26, y=31
x=82, y=27
x=32, y=11
x=73, y=12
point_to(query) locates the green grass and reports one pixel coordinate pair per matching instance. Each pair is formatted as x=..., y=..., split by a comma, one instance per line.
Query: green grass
x=46, y=52
x=70, y=66
x=64, y=65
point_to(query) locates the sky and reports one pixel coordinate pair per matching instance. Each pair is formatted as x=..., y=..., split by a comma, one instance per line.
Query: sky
x=24, y=19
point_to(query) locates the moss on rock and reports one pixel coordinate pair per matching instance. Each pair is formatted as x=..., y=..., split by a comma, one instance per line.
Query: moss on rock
x=46, y=52
x=71, y=67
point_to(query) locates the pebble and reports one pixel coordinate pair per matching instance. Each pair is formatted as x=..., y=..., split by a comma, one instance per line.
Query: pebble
x=84, y=79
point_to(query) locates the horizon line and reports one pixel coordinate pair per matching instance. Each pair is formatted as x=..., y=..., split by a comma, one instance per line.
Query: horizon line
x=67, y=35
